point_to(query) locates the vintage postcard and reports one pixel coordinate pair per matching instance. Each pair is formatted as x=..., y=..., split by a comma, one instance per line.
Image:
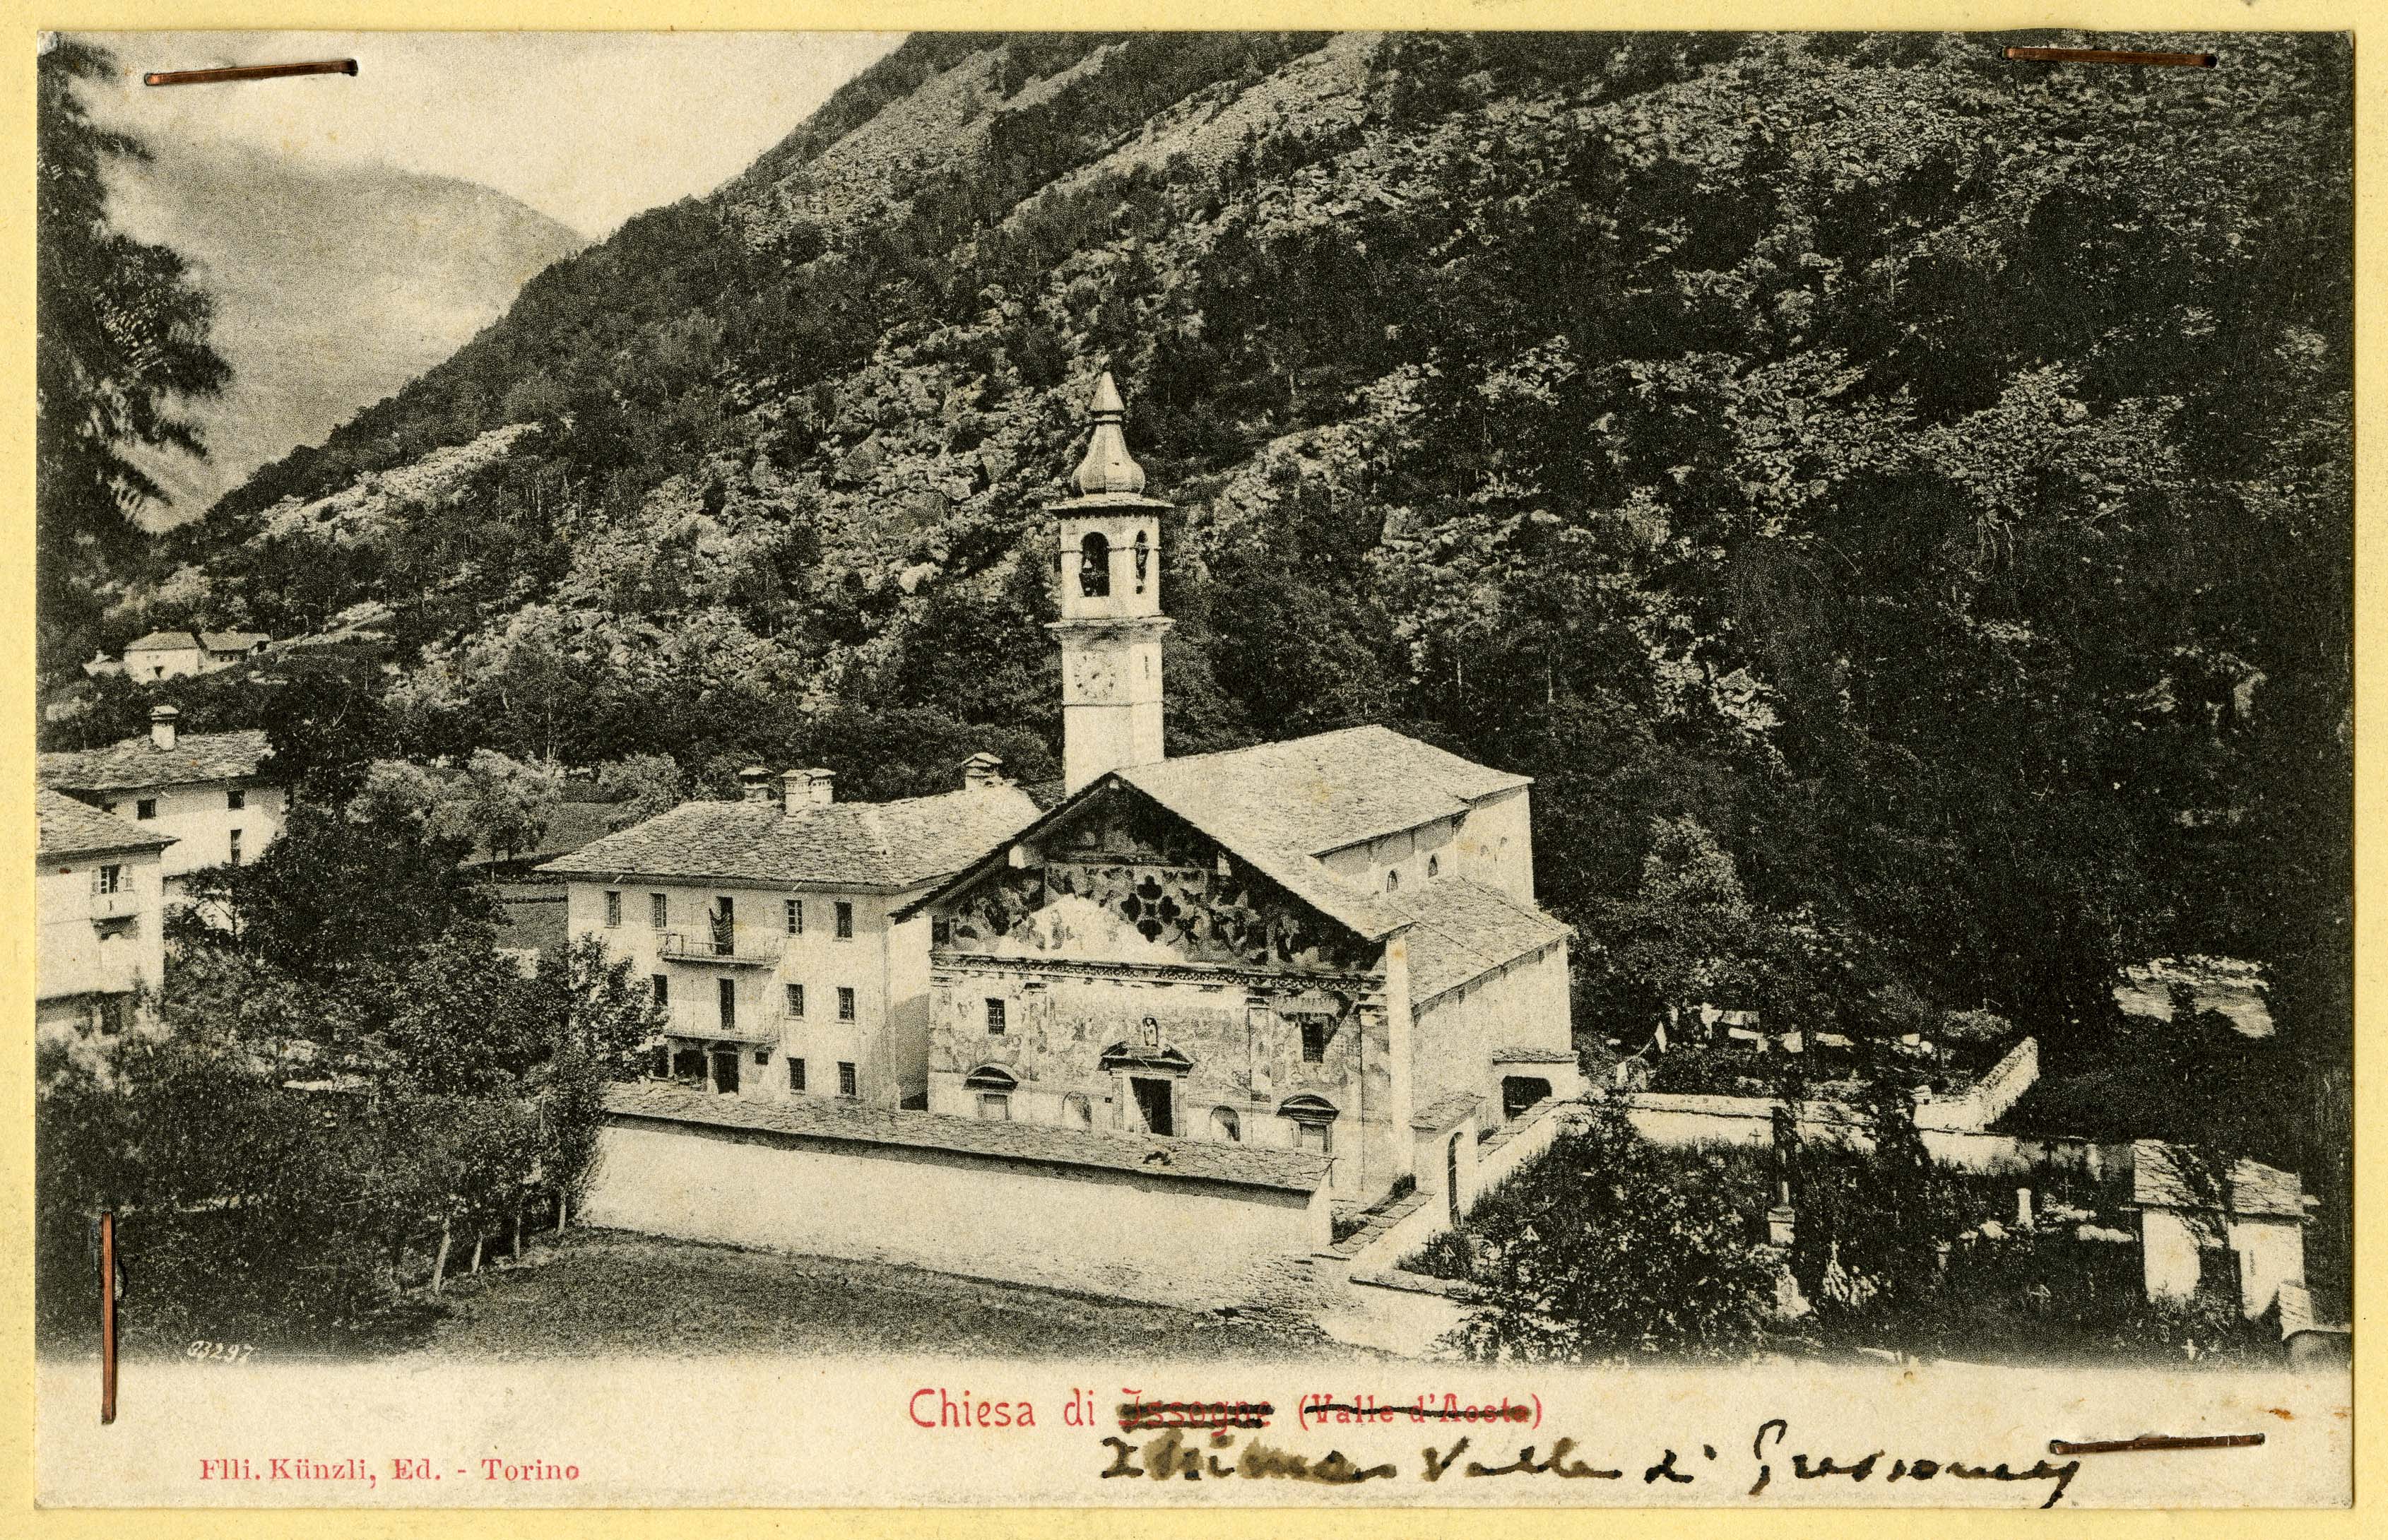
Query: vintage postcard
x=1192, y=769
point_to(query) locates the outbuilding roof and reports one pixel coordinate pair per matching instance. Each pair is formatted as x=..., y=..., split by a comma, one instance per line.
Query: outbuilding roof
x=231, y=642
x=865, y=845
x=848, y=1121
x=2165, y=1176
x=71, y=828
x=164, y=642
x=138, y=762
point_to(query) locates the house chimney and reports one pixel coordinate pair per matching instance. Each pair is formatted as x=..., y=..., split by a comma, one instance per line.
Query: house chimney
x=803, y=789
x=161, y=726
x=981, y=770
x=755, y=784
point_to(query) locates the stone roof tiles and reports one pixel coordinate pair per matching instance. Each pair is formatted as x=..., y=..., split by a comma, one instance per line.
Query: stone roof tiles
x=1300, y=1171
x=71, y=828
x=1461, y=930
x=164, y=642
x=2163, y=1176
x=870, y=845
x=138, y=762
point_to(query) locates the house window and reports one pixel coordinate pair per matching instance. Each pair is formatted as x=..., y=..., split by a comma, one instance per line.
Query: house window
x=795, y=1074
x=235, y=799
x=234, y=846
x=659, y=990
x=762, y=1055
x=796, y=1002
x=1315, y=1136
x=995, y=1009
x=994, y=1107
x=658, y=910
x=795, y=917
x=723, y=923
x=844, y=921
x=941, y=933
x=845, y=1004
x=726, y=992
x=1226, y=1125
x=660, y=1067
x=146, y=808
x=1314, y=1040
x=613, y=910
x=845, y=1079
x=109, y=879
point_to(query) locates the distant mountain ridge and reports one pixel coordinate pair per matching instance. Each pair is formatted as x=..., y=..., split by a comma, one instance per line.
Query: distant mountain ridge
x=333, y=287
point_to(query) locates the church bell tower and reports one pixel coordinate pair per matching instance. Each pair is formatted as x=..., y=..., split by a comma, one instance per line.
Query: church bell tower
x=1112, y=625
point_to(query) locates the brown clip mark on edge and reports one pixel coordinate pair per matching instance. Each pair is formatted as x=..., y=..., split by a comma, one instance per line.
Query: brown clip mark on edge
x=2114, y=56
x=107, y=1316
x=2155, y=1441
x=249, y=72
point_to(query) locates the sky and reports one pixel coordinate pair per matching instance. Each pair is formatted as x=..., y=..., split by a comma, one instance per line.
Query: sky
x=588, y=128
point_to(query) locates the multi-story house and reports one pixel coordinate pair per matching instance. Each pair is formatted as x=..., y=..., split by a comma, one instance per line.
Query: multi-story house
x=1329, y=943
x=173, y=655
x=210, y=792
x=765, y=928
x=99, y=900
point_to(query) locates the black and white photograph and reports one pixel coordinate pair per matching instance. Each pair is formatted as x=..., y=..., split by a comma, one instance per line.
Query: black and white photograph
x=1370, y=711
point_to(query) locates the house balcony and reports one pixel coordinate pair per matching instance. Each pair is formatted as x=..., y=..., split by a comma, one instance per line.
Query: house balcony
x=708, y=1027
x=737, y=949
x=120, y=905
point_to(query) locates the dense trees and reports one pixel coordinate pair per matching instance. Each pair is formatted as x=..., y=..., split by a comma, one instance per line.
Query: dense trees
x=122, y=337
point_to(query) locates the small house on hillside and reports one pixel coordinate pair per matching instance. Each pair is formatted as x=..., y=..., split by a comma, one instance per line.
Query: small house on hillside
x=2203, y=1227
x=173, y=655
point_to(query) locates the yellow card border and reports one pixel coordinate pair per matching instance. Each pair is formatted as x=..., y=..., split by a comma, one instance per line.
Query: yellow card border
x=25, y=19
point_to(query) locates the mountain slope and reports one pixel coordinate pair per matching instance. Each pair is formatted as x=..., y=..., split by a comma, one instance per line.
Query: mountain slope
x=332, y=288
x=1826, y=463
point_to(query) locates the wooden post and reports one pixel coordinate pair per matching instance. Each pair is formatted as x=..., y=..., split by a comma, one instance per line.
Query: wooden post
x=478, y=1237
x=563, y=1209
x=439, y=1266
x=107, y=1316
x=518, y=1229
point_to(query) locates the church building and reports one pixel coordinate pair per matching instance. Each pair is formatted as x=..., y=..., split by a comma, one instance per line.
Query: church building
x=1329, y=944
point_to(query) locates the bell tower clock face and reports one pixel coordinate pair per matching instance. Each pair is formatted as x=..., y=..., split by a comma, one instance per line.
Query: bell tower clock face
x=1094, y=675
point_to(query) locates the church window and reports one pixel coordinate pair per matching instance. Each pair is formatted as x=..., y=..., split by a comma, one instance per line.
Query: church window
x=995, y=1015
x=1225, y=1126
x=1393, y=879
x=1143, y=560
x=1095, y=566
x=993, y=1088
x=941, y=933
x=845, y=1081
x=1314, y=1030
x=1434, y=866
x=1314, y=1122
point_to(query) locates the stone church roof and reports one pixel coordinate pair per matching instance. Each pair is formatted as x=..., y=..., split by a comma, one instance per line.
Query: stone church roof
x=1464, y=930
x=846, y=1121
x=71, y=828
x=853, y=844
x=134, y=763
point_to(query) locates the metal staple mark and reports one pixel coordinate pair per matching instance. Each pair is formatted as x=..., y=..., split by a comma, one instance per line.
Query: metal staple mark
x=2114, y=56
x=249, y=72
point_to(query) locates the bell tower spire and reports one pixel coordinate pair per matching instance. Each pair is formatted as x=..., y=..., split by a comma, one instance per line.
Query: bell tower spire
x=1112, y=625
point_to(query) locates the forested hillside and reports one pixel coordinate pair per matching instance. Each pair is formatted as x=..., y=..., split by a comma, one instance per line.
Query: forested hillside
x=1896, y=501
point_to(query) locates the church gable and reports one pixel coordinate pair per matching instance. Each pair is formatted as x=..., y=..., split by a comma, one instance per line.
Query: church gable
x=1117, y=878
